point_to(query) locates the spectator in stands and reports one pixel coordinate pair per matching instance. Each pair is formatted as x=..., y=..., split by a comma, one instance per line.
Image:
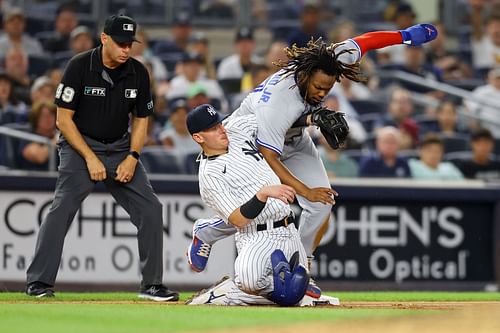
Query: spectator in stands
x=485, y=40
x=336, y=162
x=197, y=95
x=482, y=165
x=176, y=137
x=14, y=24
x=385, y=162
x=402, y=15
x=199, y=43
x=181, y=32
x=42, y=90
x=237, y=66
x=431, y=165
x=310, y=19
x=191, y=74
x=399, y=115
x=34, y=155
x=80, y=40
x=446, y=123
x=275, y=53
x=59, y=39
x=414, y=63
x=351, y=90
x=357, y=132
x=142, y=52
x=55, y=75
x=490, y=94
x=11, y=109
x=259, y=73
x=17, y=66
x=438, y=53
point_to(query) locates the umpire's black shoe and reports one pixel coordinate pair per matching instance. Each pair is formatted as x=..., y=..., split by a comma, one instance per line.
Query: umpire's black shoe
x=39, y=289
x=158, y=293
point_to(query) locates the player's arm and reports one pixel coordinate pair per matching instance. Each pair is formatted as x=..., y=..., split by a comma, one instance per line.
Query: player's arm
x=244, y=214
x=414, y=35
x=318, y=194
x=65, y=123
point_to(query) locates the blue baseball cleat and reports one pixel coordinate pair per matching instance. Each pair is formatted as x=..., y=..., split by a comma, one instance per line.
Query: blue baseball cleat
x=198, y=253
x=419, y=34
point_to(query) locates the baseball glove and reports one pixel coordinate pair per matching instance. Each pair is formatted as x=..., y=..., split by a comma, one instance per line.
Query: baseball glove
x=333, y=126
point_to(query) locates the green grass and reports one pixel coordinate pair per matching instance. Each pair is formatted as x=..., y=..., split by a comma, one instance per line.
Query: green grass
x=20, y=313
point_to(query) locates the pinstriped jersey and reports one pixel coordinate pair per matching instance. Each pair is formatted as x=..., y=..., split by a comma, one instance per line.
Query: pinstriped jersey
x=231, y=179
x=277, y=104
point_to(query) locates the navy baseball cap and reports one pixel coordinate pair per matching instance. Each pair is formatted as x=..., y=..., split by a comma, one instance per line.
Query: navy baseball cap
x=202, y=117
x=121, y=28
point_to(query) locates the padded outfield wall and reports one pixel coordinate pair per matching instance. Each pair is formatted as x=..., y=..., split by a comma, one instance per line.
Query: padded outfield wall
x=383, y=234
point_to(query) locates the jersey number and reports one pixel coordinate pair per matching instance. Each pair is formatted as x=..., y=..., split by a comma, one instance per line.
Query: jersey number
x=65, y=93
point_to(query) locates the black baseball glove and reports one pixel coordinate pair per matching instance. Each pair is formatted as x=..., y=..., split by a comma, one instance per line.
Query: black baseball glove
x=332, y=124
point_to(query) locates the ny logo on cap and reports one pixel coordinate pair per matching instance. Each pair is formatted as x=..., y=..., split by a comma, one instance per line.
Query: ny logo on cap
x=211, y=110
x=128, y=27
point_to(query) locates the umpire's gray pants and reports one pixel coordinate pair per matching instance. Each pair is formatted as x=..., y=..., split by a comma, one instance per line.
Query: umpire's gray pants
x=73, y=186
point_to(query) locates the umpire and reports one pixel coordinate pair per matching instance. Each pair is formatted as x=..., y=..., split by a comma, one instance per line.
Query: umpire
x=101, y=92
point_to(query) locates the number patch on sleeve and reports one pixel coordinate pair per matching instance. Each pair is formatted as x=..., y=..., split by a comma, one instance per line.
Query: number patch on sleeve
x=65, y=93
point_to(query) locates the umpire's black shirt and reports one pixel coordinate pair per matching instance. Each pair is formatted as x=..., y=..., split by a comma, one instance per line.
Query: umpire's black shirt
x=102, y=98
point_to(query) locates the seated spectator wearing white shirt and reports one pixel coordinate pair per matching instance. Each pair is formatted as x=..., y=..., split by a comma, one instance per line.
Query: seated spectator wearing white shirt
x=430, y=166
x=490, y=93
x=190, y=75
x=485, y=38
x=237, y=65
x=14, y=24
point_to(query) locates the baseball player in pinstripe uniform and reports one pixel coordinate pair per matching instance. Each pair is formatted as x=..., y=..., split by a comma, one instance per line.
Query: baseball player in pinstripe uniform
x=236, y=181
x=284, y=105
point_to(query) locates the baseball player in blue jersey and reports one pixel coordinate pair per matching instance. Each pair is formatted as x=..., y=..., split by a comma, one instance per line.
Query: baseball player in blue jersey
x=284, y=105
x=270, y=267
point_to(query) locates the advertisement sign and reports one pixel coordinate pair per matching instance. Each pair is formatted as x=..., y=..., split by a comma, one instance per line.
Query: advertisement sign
x=101, y=244
x=407, y=241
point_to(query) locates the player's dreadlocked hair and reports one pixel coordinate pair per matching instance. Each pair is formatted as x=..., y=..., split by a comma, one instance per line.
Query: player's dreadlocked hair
x=317, y=55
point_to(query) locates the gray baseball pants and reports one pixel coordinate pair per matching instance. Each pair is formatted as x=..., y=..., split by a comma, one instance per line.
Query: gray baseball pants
x=74, y=185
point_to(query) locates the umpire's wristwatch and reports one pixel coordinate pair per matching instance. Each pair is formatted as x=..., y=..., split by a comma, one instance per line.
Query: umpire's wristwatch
x=134, y=154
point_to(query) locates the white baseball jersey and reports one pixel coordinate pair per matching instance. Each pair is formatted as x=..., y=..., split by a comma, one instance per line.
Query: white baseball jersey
x=277, y=104
x=229, y=180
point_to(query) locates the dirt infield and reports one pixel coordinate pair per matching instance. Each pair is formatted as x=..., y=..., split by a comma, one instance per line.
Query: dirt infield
x=449, y=317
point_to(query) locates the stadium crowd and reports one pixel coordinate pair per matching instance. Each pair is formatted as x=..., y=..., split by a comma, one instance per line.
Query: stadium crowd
x=398, y=128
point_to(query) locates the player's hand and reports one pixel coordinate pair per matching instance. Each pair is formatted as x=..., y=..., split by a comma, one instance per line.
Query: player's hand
x=126, y=169
x=96, y=169
x=324, y=195
x=281, y=192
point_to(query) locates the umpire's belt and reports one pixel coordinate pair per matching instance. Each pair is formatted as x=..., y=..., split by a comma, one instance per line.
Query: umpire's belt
x=290, y=219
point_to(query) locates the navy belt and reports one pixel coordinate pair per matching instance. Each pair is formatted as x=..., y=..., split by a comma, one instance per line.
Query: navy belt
x=290, y=219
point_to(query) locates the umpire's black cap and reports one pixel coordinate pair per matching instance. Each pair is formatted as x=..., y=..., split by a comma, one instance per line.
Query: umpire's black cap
x=202, y=117
x=121, y=28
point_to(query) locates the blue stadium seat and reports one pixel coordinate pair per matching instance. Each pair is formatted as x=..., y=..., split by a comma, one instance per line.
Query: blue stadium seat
x=368, y=121
x=365, y=106
x=455, y=143
x=159, y=160
x=191, y=164
x=38, y=65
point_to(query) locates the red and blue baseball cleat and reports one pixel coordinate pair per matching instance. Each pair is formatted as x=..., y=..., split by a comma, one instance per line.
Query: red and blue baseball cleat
x=198, y=253
x=313, y=290
x=419, y=34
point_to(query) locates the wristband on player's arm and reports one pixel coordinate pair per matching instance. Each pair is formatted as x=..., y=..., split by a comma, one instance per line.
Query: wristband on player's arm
x=252, y=208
